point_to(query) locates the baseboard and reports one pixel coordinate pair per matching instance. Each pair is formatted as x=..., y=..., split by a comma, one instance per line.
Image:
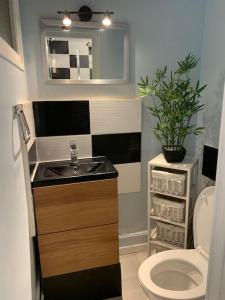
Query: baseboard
x=133, y=249
x=133, y=242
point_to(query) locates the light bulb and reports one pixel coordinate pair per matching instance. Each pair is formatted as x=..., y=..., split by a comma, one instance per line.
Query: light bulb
x=67, y=20
x=107, y=20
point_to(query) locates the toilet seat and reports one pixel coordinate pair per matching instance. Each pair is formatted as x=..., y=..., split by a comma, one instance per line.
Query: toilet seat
x=193, y=258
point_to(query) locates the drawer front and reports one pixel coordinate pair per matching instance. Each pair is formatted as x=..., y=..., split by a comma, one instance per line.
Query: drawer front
x=78, y=205
x=77, y=250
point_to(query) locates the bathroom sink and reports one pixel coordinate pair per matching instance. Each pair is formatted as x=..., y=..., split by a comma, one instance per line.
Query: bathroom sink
x=62, y=172
x=70, y=170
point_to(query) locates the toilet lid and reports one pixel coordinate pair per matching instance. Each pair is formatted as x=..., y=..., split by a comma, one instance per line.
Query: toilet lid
x=203, y=218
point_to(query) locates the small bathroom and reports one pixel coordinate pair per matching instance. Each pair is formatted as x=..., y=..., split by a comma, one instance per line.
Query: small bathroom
x=112, y=150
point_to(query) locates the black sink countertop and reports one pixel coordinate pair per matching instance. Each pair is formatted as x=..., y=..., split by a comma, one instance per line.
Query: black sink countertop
x=44, y=178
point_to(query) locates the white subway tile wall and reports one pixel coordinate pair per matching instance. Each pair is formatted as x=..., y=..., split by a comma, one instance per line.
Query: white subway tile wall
x=57, y=147
x=115, y=116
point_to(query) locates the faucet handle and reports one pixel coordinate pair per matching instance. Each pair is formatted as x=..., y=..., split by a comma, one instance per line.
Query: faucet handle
x=73, y=145
x=74, y=153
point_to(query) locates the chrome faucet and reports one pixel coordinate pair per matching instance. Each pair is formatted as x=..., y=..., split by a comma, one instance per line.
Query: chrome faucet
x=74, y=154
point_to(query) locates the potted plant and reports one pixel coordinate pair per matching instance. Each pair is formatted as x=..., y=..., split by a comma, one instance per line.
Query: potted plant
x=175, y=100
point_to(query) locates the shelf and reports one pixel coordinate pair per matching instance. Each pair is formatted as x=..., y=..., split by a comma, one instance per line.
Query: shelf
x=186, y=165
x=167, y=221
x=166, y=245
x=169, y=195
x=189, y=167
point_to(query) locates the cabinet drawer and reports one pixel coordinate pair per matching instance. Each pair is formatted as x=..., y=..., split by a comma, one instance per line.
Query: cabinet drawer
x=78, y=205
x=80, y=249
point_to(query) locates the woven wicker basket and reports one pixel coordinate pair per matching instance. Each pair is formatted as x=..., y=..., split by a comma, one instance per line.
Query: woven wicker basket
x=168, y=209
x=170, y=233
x=168, y=182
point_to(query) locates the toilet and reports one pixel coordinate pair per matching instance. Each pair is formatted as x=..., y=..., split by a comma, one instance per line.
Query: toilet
x=182, y=274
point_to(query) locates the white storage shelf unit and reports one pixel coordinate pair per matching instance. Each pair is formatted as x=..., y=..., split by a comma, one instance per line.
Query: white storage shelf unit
x=171, y=200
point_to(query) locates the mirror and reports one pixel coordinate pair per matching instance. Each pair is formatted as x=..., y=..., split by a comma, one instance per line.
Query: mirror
x=87, y=54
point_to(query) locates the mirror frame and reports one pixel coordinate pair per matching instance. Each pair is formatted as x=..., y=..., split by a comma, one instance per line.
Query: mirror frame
x=13, y=55
x=48, y=24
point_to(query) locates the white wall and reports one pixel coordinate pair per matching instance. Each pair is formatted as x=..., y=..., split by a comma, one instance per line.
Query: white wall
x=15, y=276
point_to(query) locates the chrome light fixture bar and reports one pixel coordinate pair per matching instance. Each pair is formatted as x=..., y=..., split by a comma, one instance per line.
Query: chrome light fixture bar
x=85, y=14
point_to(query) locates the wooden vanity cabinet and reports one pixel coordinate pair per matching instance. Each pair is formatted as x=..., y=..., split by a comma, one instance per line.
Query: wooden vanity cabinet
x=77, y=226
x=78, y=250
x=77, y=205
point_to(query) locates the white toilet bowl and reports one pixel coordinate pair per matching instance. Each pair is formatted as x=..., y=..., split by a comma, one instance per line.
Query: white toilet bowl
x=182, y=274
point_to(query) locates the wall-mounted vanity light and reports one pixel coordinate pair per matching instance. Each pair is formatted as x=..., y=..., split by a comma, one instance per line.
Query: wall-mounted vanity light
x=107, y=19
x=67, y=19
x=85, y=14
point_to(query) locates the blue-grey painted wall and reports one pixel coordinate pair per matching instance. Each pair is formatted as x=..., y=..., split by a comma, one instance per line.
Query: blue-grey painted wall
x=161, y=32
x=213, y=71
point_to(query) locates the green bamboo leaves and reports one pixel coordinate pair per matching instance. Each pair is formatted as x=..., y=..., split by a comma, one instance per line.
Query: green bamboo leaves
x=175, y=100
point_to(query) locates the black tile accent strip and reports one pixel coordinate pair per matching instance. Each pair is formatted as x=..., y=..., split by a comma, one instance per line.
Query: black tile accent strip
x=58, y=47
x=209, y=166
x=119, y=148
x=93, y=284
x=84, y=61
x=59, y=73
x=73, y=61
x=57, y=118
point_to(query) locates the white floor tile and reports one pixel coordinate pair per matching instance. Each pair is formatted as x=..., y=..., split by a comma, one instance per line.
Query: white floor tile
x=141, y=256
x=131, y=287
x=129, y=266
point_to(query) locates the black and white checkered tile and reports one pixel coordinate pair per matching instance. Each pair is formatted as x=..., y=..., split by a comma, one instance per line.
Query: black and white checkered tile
x=70, y=59
x=99, y=127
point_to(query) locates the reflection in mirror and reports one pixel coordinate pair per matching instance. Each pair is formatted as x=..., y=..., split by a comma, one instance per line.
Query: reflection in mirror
x=70, y=58
x=86, y=55
x=5, y=23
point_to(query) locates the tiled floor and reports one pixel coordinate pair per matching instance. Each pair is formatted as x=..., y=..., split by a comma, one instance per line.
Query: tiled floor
x=130, y=264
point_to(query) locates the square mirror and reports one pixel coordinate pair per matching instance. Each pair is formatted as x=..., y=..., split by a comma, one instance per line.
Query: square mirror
x=87, y=54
